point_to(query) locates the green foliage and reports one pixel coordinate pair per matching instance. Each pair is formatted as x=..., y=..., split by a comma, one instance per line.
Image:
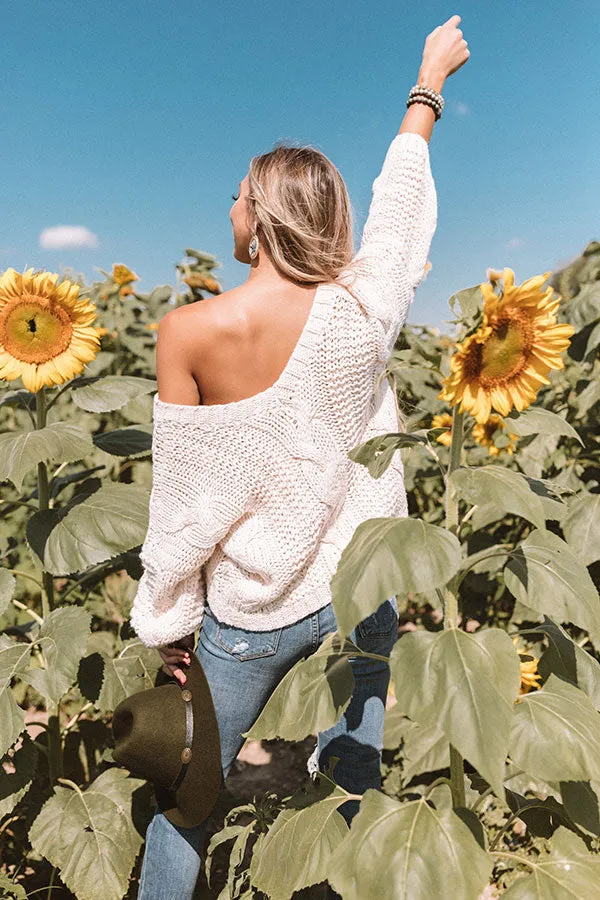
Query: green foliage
x=491, y=780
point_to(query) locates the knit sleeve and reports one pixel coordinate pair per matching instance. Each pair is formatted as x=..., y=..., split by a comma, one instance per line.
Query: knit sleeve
x=194, y=502
x=402, y=218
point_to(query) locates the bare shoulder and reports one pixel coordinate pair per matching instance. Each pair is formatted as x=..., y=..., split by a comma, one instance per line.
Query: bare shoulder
x=201, y=322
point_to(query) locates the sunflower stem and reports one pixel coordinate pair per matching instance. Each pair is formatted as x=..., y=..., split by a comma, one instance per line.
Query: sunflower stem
x=457, y=774
x=43, y=501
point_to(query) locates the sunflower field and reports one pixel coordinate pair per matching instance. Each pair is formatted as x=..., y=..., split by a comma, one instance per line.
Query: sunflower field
x=491, y=747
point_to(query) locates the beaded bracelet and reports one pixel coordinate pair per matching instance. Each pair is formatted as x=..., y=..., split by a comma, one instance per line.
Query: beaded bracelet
x=428, y=92
x=422, y=94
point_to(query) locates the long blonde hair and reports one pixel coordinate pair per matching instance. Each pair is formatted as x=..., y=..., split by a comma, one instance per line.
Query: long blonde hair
x=299, y=201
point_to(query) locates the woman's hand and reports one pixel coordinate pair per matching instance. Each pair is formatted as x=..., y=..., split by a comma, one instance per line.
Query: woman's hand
x=175, y=655
x=445, y=49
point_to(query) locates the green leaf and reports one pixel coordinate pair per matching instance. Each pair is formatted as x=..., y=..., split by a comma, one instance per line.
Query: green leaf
x=305, y=838
x=313, y=694
x=425, y=749
x=62, y=638
x=470, y=301
x=465, y=685
x=569, y=661
x=570, y=872
x=408, y=851
x=135, y=440
x=376, y=453
x=388, y=556
x=133, y=670
x=113, y=519
x=15, y=784
x=90, y=835
x=555, y=733
x=60, y=442
x=538, y=420
x=503, y=487
x=14, y=659
x=546, y=575
x=581, y=526
x=7, y=588
x=104, y=394
x=10, y=890
x=588, y=398
x=226, y=834
x=395, y=727
x=581, y=803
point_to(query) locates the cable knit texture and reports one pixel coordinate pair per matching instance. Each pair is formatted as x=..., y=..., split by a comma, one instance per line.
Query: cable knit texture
x=253, y=501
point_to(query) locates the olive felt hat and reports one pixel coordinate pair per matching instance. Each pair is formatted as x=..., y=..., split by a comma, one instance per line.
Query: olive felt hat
x=169, y=735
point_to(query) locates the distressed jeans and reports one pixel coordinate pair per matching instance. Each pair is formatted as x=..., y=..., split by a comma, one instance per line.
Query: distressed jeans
x=243, y=668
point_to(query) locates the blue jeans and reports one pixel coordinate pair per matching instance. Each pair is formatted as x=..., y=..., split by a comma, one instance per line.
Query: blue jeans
x=243, y=668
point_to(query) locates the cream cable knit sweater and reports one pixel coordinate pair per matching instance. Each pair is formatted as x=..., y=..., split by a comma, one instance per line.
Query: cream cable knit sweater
x=253, y=501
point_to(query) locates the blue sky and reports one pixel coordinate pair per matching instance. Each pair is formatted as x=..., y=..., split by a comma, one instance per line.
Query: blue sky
x=135, y=121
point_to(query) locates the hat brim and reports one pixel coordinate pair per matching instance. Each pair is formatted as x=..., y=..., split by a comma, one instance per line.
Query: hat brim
x=195, y=798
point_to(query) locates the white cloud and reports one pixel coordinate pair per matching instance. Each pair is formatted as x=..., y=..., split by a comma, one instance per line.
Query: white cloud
x=515, y=242
x=461, y=109
x=59, y=237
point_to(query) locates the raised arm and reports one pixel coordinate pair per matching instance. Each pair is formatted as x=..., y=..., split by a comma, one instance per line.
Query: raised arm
x=391, y=260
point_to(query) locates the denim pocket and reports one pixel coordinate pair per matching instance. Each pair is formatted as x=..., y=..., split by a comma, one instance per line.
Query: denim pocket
x=247, y=644
x=381, y=622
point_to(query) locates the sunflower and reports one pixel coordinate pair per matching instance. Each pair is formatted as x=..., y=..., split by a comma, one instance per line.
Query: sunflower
x=529, y=673
x=202, y=282
x=122, y=274
x=126, y=290
x=443, y=420
x=504, y=363
x=484, y=434
x=153, y=326
x=46, y=335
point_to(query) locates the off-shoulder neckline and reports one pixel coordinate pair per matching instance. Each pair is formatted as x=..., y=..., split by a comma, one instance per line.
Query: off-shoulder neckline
x=214, y=413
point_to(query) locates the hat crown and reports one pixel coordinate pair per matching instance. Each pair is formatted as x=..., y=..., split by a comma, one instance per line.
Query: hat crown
x=149, y=731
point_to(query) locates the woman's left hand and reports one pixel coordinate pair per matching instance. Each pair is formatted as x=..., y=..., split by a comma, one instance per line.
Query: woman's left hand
x=177, y=654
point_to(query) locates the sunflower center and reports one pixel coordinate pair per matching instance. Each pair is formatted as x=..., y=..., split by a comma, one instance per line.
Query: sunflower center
x=504, y=353
x=35, y=330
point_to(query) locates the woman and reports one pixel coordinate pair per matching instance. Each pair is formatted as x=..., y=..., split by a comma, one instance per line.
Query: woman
x=262, y=392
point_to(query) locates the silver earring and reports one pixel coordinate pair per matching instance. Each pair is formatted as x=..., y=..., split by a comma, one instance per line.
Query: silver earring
x=253, y=247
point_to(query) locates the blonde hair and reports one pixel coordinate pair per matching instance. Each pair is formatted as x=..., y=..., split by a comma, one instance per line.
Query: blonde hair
x=299, y=201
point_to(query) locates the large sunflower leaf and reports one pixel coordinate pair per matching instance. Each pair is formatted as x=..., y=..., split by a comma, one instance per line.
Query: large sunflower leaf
x=539, y=420
x=62, y=638
x=305, y=838
x=313, y=694
x=569, y=661
x=408, y=851
x=581, y=526
x=569, y=872
x=59, y=442
x=555, y=733
x=113, y=519
x=465, y=685
x=14, y=659
x=103, y=394
x=90, y=835
x=544, y=573
x=503, y=487
x=388, y=556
